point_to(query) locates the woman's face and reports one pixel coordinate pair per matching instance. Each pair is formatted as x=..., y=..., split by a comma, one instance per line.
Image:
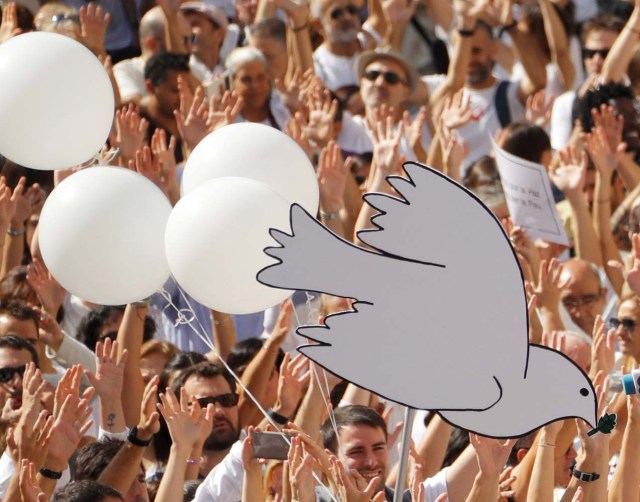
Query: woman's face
x=627, y=332
x=251, y=82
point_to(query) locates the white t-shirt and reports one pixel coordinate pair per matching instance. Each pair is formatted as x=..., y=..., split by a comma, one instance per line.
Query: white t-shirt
x=129, y=75
x=561, y=123
x=477, y=133
x=335, y=71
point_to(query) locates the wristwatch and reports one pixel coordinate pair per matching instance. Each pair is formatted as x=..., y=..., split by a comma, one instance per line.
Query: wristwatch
x=585, y=476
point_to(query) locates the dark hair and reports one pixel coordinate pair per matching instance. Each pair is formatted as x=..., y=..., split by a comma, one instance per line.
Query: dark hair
x=190, y=488
x=350, y=415
x=94, y=458
x=243, y=352
x=486, y=27
x=18, y=343
x=526, y=141
x=601, y=22
x=271, y=27
x=20, y=310
x=523, y=443
x=181, y=361
x=15, y=285
x=85, y=491
x=204, y=369
x=91, y=325
x=594, y=98
x=458, y=441
x=159, y=66
x=483, y=172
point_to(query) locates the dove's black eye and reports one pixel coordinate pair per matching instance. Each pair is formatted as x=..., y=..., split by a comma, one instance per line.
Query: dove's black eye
x=584, y=392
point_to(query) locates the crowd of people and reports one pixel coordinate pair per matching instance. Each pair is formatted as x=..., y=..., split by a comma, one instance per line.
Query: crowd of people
x=167, y=400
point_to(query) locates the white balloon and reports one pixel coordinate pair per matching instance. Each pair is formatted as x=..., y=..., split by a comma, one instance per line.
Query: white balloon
x=258, y=152
x=215, y=239
x=101, y=235
x=56, y=101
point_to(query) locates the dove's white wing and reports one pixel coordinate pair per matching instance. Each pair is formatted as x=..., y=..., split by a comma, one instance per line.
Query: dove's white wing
x=399, y=355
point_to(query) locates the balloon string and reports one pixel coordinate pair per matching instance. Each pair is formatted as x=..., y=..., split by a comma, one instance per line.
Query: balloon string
x=311, y=312
x=182, y=319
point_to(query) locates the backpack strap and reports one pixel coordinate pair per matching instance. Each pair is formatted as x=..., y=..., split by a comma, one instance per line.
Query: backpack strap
x=502, y=103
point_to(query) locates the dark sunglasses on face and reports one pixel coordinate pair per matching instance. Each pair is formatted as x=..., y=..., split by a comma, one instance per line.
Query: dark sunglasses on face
x=60, y=18
x=627, y=324
x=389, y=77
x=6, y=374
x=224, y=400
x=589, y=53
x=339, y=12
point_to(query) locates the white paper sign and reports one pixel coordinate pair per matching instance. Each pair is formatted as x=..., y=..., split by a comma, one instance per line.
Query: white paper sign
x=529, y=198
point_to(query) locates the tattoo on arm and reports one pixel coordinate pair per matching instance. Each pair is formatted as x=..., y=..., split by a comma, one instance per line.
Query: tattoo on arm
x=111, y=419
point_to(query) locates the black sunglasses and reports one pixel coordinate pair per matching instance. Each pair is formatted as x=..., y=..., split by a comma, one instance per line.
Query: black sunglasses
x=627, y=324
x=6, y=374
x=589, y=53
x=338, y=13
x=224, y=400
x=389, y=77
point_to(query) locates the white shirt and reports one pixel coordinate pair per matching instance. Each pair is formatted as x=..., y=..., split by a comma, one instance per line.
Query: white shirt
x=335, y=71
x=561, y=123
x=224, y=482
x=8, y=468
x=129, y=75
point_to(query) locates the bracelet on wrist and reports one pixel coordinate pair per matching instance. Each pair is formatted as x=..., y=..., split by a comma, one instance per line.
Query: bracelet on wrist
x=585, y=476
x=507, y=28
x=277, y=418
x=195, y=461
x=329, y=216
x=135, y=440
x=15, y=233
x=546, y=445
x=48, y=473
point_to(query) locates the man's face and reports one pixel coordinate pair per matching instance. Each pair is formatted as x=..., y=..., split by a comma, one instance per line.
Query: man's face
x=629, y=337
x=340, y=21
x=364, y=449
x=582, y=296
x=226, y=429
x=12, y=359
x=384, y=83
x=596, y=46
x=482, y=58
x=206, y=36
x=26, y=329
x=275, y=53
x=167, y=93
x=252, y=83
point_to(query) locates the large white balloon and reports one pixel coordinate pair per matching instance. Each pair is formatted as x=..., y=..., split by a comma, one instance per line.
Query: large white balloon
x=258, y=152
x=215, y=239
x=56, y=101
x=101, y=235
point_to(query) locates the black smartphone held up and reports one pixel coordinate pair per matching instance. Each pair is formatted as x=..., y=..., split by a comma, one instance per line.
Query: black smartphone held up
x=272, y=445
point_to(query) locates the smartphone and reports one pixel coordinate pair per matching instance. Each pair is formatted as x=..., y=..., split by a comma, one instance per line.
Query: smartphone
x=272, y=445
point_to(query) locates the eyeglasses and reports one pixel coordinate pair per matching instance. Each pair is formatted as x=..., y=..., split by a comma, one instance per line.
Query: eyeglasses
x=589, y=53
x=627, y=324
x=389, y=77
x=224, y=400
x=6, y=374
x=59, y=18
x=339, y=12
x=191, y=39
x=580, y=301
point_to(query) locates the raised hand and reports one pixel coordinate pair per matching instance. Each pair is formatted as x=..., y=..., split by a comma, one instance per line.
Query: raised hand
x=30, y=491
x=332, y=177
x=131, y=132
x=600, y=150
x=322, y=115
x=632, y=272
x=294, y=375
x=348, y=481
x=49, y=291
x=9, y=26
x=291, y=94
x=149, y=423
x=602, y=348
x=570, y=176
x=386, y=139
x=108, y=379
x=186, y=426
x=538, y=110
x=224, y=111
x=295, y=130
x=25, y=203
x=192, y=123
x=150, y=167
x=301, y=473
x=414, y=129
x=93, y=27
x=549, y=285
x=612, y=124
x=492, y=454
x=399, y=11
x=457, y=111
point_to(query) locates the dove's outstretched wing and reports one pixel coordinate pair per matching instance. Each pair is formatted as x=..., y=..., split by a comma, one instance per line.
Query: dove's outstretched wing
x=435, y=221
x=400, y=358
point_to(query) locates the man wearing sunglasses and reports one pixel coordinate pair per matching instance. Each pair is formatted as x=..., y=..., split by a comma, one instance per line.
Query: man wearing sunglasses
x=15, y=354
x=598, y=36
x=335, y=59
x=212, y=384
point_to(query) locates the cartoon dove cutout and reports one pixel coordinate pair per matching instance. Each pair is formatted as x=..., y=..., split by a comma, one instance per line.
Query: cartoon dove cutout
x=440, y=320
